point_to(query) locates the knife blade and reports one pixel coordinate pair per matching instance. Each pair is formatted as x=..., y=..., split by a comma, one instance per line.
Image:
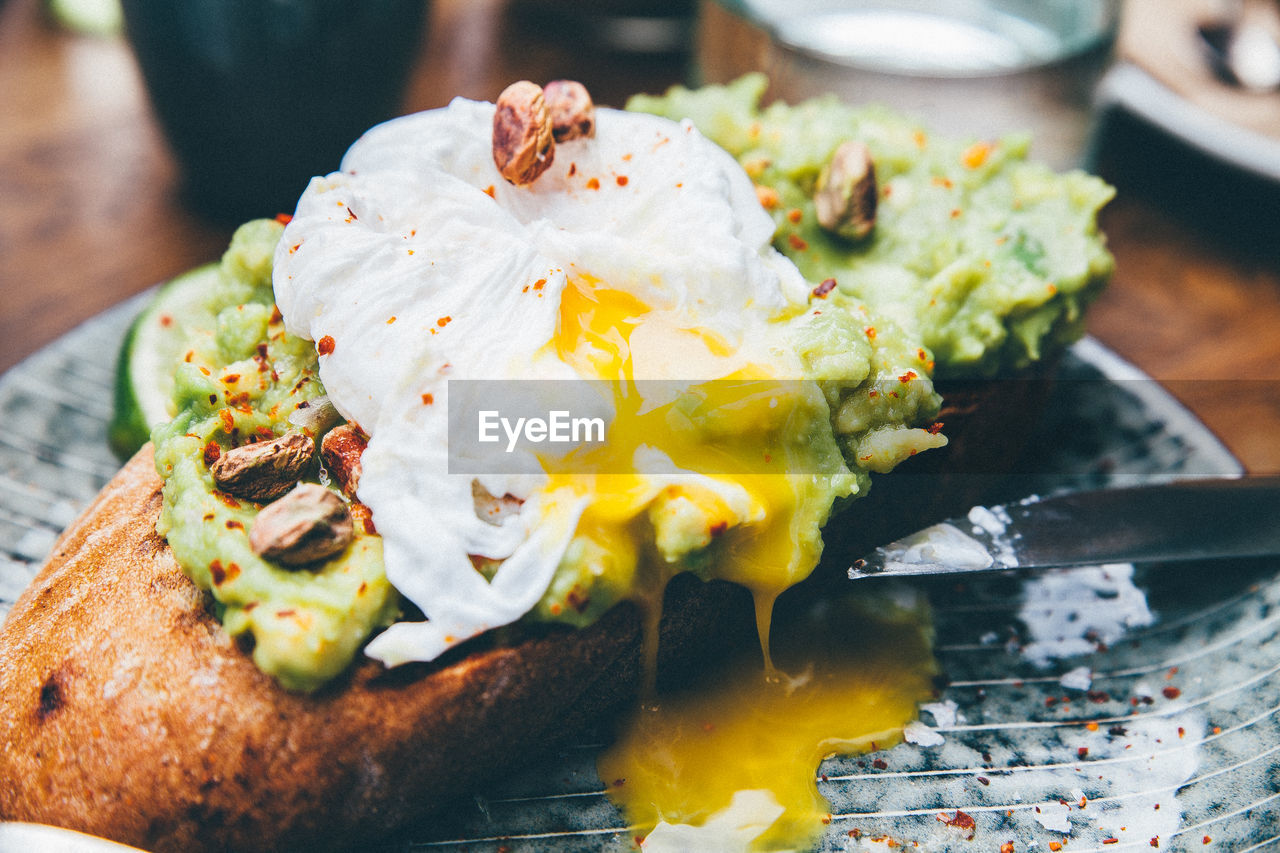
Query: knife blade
x=1184, y=520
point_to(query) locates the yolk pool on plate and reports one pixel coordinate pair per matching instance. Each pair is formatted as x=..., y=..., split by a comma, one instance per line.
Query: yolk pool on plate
x=849, y=678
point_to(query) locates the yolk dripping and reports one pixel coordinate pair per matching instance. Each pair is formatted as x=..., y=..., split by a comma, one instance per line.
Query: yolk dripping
x=848, y=679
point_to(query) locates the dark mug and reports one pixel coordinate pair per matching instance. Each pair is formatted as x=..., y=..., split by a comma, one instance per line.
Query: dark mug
x=257, y=96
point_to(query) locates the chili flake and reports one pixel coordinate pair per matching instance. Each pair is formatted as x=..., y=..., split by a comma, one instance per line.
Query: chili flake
x=823, y=289
x=976, y=154
x=622, y=180
x=428, y=399
x=795, y=215
x=767, y=196
x=445, y=320
x=1171, y=692
x=325, y=345
x=593, y=184
x=284, y=218
x=797, y=242
x=211, y=453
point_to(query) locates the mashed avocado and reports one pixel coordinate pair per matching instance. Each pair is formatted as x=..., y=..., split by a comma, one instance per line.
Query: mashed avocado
x=988, y=260
x=238, y=381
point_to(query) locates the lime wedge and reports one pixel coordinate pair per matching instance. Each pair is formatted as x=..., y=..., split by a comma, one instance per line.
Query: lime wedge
x=92, y=17
x=153, y=345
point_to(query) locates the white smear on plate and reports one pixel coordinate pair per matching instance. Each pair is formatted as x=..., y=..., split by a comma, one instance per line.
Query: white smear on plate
x=1080, y=678
x=1068, y=612
x=921, y=735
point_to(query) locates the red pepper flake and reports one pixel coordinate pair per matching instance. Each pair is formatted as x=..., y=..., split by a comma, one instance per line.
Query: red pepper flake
x=276, y=316
x=1007, y=847
x=622, y=180
x=490, y=191
x=942, y=181
x=1206, y=840
x=795, y=215
x=573, y=169
x=1111, y=840
x=539, y=284
x=1217, y=730
x=231, y=378
x=428, y=399
x=593, y=184
x=228, y=420
x=960, y=820
x=1055, y=846
x=351, y=215
x=232, y=524
x=821, y=291
x=920, y=138
x=364, y=587
x=1155, y=841
x=208, y=516
x=206, y=371
x=211, y=453
x=955, y=213
x=1171, y=692
x=975, y=155
x=325, y=345
x=284, y=218
x=908, y=376
x=870, y=332
x=1082, y=752
x=1050, y=701
x=1052, y=288
x=444, y=321
x=166, y=321
x=1091, y=726
x=364, y=516
x=227, y=500
x=1182, y=732
x=935, y=428
x=767, y=196
x=294, y=248
x=285, y=614
x=984, y=781
x=879, y=764
x=1168, y=676
x=221, y=575
x=190, y=355
x=797, y=242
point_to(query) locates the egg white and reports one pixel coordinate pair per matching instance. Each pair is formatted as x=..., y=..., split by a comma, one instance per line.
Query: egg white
x=424, y=265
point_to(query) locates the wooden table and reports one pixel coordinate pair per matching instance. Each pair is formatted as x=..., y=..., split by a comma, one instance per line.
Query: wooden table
x=92, y=212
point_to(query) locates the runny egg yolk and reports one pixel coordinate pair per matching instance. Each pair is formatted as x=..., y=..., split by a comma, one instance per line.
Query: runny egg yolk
x=849, y=677
x=749, y=449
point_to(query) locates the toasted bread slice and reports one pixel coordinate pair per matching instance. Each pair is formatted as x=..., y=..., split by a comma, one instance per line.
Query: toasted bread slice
x=126, y=711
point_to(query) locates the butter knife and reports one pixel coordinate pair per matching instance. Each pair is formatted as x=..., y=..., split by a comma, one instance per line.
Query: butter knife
x=1184, y=520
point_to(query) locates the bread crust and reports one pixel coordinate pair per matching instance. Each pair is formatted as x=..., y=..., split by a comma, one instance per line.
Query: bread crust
x=127, y=712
